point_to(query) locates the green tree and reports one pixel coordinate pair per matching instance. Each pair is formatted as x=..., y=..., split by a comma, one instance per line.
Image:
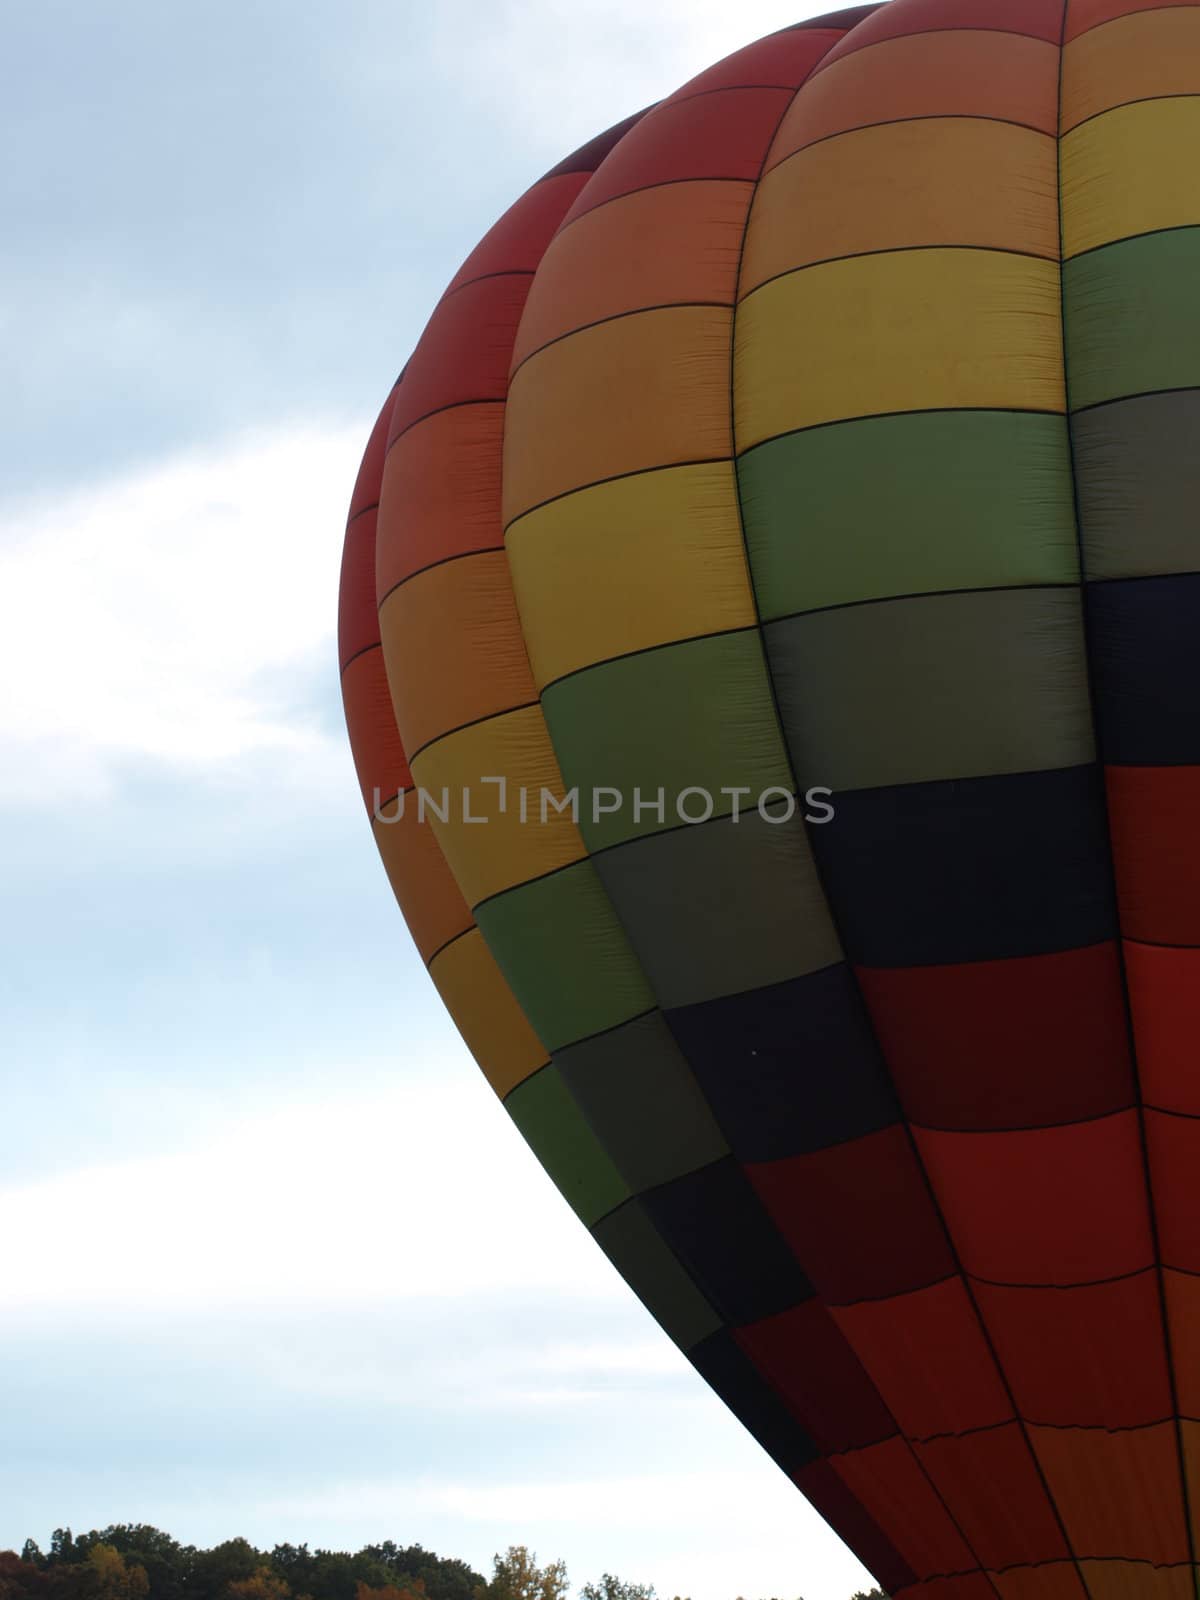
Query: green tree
x=517, y=1576
x=610, y=1588
x=869, y=1594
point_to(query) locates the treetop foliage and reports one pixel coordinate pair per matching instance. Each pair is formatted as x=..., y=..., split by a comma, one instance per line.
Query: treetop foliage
x=133, y=1561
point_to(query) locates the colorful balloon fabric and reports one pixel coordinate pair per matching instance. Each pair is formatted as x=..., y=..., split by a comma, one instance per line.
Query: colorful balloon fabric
x=769, y=628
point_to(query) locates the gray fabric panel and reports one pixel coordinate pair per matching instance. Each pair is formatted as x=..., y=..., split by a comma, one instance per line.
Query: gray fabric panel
x=633, y=1245
x=944, y=686
x=1138, y=466
x=721, y=907
x=641, y=1101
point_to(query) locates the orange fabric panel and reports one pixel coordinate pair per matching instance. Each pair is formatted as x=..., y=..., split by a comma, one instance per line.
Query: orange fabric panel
x=1164, y=998
x=453, y=642
x=964, y=73
x=1046, y=1205
x=358, y=620
x=940, y=181
x=1119, y=1494
x=674, y=245
x=888, y=1482
x=493, y=1026
x=441, y=492
x=1173, y=1144
x=1122, y=1580
x=378, y=754
x=1140, y=57
x=1183, y=1315
x=893, y=1337
x=423, y=884
x=1085, y=14
x=650, y=390
x=1156, y=848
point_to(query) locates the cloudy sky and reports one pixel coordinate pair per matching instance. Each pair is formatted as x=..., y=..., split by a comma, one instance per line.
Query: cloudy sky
x=275, y=1262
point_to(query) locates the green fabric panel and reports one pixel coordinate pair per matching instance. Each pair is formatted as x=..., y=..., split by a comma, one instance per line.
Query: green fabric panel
x=640, y=1099
x=1131, y=319
x=718, y=909
x=1139, y=486
x=631, y=1242
x=946, y=686
x=565, y=956
x=553, y=1125
x=906, y=505
x=697, y=714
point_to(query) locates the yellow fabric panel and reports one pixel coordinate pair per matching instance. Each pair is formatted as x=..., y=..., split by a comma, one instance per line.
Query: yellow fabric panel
x=423, y=884
x=453, y=645
x=646, y=390
x=1131, y=171
x=967, y=72
x=670, y=244
x=947, y=181
x=1132, y=58
x=499, y=849
x=911, y=331
x=493, y=1026
x=625, y=565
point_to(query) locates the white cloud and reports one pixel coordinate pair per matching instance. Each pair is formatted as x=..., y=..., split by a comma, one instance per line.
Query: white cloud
x=421, y=1190
x=559, y=71
x=162, y=616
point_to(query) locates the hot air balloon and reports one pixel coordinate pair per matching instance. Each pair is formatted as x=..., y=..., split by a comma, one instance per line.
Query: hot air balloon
x=769, y=631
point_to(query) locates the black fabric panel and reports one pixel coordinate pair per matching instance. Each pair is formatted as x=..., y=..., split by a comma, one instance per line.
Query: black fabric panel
x=971, y=870
x=1144, y=637
x=720, y=1231
x=790, y=1068
x=731, y=1373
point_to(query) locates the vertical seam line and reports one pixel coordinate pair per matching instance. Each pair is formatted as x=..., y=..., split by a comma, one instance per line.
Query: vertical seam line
x=762, y=644
x=1098, y=739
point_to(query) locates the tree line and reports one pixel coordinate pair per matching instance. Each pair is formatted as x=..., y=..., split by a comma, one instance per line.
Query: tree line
x=132, y=1561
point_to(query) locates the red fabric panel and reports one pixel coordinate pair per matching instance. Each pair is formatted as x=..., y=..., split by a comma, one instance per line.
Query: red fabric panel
x=1156, y=848
x=441, y=492
x=962, y=1586
x=1164, y=996
x=893, y=1338
x=892, y=1487
x=829, y=1495
x=991, y=1483
x=1005, y=1044
x=378, y=754
x=858, y=1216
x=518, y=241
x=1173, y=1144
x=784, y=59
x=1041, y=19
x=358, y=615
x=464, y=352
x=1058, y=1581
x=1092, y=1356
x=802, y=1354
x=721, y=135
x=1049, y=1206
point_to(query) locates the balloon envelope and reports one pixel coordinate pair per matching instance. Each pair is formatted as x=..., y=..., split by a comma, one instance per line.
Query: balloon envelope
x=770, y=652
